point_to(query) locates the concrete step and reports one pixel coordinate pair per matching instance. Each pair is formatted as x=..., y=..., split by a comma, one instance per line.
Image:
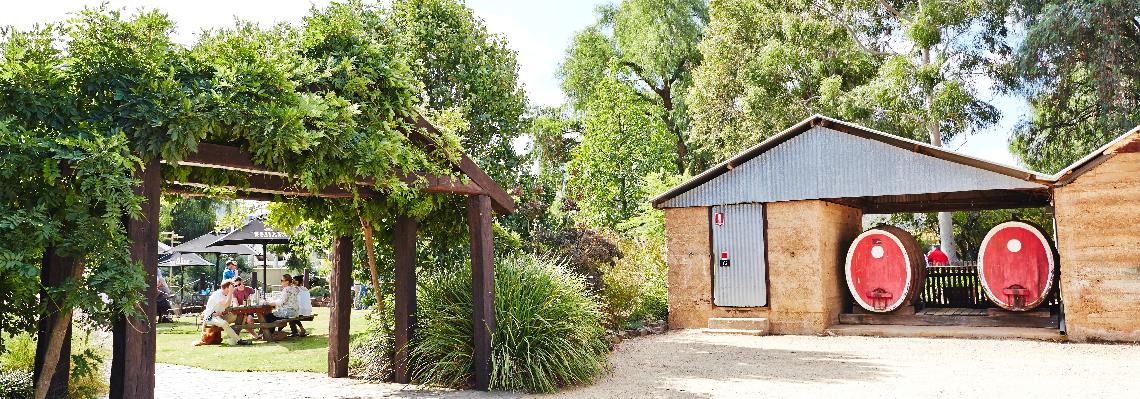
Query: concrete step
x=965, y=332
x=733, y=331
x=753, y=325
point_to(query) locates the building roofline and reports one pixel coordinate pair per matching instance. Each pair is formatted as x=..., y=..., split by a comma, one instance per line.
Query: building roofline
x=856, y=130
x=1129, y=141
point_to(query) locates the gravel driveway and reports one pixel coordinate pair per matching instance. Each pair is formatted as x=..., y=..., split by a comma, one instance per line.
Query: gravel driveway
x=688, y=364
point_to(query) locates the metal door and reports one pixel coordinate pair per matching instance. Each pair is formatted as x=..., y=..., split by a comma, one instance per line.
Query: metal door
x=739, y=266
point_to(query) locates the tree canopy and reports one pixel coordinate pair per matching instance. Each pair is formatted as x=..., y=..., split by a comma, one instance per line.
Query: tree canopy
x=1078, y=66
x=86, y=102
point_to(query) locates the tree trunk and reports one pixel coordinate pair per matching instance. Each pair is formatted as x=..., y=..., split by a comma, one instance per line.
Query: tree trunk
x=945, y=219
x=53, y=341
x=666, y=94
x=370, y=250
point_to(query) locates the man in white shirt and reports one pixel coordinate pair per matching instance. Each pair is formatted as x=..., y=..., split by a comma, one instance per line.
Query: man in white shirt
x=215, y=313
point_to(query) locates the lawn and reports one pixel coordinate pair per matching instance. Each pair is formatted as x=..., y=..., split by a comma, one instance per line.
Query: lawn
x=175, y=346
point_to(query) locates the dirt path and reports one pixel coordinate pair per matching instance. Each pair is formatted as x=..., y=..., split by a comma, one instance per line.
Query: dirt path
x=690, y=364
x=693, y=364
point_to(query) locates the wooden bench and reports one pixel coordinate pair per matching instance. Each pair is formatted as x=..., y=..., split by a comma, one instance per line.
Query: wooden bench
x=267, y=328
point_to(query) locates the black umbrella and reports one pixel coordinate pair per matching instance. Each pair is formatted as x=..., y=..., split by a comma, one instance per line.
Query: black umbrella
x=203, y=244
x=255, y=232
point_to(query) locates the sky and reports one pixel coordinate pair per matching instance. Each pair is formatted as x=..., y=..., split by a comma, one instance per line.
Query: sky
x=539, y=30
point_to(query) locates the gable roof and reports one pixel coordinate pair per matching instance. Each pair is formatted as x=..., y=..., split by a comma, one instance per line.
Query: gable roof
x=840, y=157
x=1125, y=143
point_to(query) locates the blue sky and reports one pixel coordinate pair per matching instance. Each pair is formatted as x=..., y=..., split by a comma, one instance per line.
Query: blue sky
x=538, y=30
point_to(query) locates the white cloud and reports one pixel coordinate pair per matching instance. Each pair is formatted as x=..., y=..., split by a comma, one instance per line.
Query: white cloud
x=538, y=61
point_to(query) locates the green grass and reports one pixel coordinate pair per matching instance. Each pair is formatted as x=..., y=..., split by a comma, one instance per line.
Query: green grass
x=176, y=346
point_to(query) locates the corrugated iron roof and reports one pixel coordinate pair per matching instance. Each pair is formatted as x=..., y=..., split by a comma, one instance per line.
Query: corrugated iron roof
x=833, y=179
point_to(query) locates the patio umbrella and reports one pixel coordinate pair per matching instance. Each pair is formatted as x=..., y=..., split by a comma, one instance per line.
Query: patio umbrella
x=178, y=259
x=203, y=245
x=255, y=232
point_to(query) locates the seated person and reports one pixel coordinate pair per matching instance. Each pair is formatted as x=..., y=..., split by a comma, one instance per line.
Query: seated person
x=305, y=306
x=286, y=304
x=241, y=295
x=215, y=313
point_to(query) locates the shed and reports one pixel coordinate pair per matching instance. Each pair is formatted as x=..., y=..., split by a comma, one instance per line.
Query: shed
x=764, y=234
x=1097, y=215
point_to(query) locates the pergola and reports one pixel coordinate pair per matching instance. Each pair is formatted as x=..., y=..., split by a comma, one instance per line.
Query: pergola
x=132, y=367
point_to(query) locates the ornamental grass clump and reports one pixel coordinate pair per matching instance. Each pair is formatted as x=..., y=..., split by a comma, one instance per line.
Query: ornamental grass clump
x=549, y=332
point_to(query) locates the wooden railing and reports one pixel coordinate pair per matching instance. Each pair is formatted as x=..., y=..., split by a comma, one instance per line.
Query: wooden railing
x=956, y=286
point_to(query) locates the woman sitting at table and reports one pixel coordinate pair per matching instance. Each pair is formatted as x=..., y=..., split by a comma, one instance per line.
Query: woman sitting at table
x=286, y=304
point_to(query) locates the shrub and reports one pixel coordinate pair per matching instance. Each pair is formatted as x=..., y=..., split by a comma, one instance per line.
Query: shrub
x=86, y=380
x=16, y=384
x=319, y=292
x=549, y=331
x=19, y=353
x=633, y=289
x=372, y=351
x=587, y=252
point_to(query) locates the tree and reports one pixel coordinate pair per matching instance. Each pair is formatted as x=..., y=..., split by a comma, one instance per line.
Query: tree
x=768, y=64
x=649, y=46
x=193, y=217
x=1078, y=64
x=622, y=142
x=932, y=52
x=463, y=66
x=905, y=67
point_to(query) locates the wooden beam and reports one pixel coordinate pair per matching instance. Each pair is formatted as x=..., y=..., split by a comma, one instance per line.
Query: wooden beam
x=340, y=285
x=482, y=285
x=280, y=185
x=405, y=311
x=133, y=353
x=216, y=156
x=503, y=203
x=54, y=273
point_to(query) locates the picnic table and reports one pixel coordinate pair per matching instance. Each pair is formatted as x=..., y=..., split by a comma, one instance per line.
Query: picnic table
x=259, y=323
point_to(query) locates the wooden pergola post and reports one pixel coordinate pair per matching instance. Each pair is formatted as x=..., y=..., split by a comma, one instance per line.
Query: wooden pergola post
x=482, y=286
x=56, y=269
x=405, y=301
x=133, y=353
x=340, y=285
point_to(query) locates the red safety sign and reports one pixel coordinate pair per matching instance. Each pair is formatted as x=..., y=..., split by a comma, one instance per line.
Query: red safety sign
x=724, y=259
x=719, y=219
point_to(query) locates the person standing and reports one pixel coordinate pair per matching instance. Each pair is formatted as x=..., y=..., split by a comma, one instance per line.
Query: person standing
x=936, y=257
x=231, y=270
x=215, y=313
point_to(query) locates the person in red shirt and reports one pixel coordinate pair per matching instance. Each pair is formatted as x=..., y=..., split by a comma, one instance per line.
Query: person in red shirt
x=241, y=295
x=937, y=257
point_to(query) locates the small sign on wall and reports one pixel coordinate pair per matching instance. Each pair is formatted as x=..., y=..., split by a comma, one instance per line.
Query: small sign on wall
x=724, y=262
x=718, y=219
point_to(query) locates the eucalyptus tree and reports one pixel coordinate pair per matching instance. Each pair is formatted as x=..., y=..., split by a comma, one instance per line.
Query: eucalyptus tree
x=933, y=53
x=1079, y=63
x=649, y=46
x=768, y=64
x=908, y=67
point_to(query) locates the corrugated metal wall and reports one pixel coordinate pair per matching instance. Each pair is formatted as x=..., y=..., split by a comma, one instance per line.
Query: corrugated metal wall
x=744, y=281
x=824, y=163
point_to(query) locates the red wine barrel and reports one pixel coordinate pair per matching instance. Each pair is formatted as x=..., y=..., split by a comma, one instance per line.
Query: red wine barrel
x=1016, y=266
x=885, y=269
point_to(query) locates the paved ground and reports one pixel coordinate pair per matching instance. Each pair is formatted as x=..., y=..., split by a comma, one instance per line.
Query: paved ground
x=692, y=364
